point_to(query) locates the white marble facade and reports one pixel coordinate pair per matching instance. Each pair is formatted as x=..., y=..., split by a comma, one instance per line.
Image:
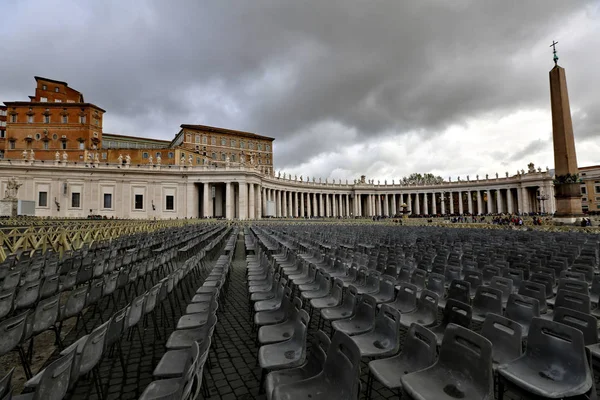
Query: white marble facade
x=146, y=192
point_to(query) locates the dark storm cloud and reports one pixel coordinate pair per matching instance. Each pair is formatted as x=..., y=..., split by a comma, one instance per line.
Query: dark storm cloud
x=313, y=74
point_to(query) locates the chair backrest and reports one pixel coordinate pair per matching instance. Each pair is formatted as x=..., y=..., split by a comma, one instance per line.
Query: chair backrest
x=366, y=308
x=93, y=349
x=573, y=300
x=489, y=272
x=55, y=379
x=488, y=298
x=5, y=385
x=573, y=285
x=559, y=345
x=342, y=366
x=521, y=308
x=135, y=311
x=7, y=298
x=387, y=323
x=428, y=302
x=536, y=291
x=151, y=298
x=506, y=336
x=350, y=299
x=516, y=275
x=49, y=286
x=505, y=285
x=460, y=290
x=586, y=323
x=544, y=279
x=318, y=353
x=404, y=275
x=418, y=277
x=407, y=294
x=337, y=289
x=45, y=314
x=75, y=302
x=475, y=278
x=95, y=292
x=578, y=276
x=457, y=312
x=586, y=270
x=420, y=347
x=452, y=272
x=11, y=331
x=116, y=327
x=468, y=357
x=27, y=294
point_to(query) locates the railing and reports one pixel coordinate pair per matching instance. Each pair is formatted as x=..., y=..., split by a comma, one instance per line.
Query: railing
x=65, y=235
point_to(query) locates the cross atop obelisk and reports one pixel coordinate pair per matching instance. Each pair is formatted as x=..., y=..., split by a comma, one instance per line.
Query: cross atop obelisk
x=567, y=188
x=553, y=45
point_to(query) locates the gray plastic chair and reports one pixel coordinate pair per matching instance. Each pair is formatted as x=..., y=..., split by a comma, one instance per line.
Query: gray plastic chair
x=463, y=369
x=372, y=283
x=184, y=338
x=325, y=283
x=273, y=303
x=487, y=300
x=173, y=363
x=53, y=382
x=12, y=332
x=313, y=366
x=572, y=300
x=385, y=294
x=554, y=365
x=505, y=285
x=196, y=319
x=436, y=283
x=426, y=312
x=506, y=336
x=586, y=323
x=344, y=310
x=419, y=352
x=27, y=295
x=49, y=286
x=7, y=298
x=535, y=291
x=5, y=385
x=406, y=298
x=275, y=316
x=455, y=312
x=522, y=309
x=339, y=379
x=458, y=290
x=384, y=339
x=488, y=273
x=287, y=354
x=475, y=279
x=362, y=321
x=333, y=299
x=418, y=278
x=284, y=330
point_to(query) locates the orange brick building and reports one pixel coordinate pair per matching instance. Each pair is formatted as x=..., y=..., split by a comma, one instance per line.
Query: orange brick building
x=57, y=123
x=2, y=129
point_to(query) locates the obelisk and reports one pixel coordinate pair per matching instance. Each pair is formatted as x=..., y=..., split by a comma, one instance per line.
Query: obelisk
x=566, y=182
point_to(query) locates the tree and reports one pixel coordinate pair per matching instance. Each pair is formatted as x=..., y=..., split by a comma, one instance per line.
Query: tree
x=422, y=179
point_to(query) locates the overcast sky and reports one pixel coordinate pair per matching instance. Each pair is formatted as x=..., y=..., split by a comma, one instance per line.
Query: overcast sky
x=346, y=87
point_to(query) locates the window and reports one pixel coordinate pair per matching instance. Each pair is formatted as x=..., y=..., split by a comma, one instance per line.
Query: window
x=214, y=156
x=597, y=189
x=250, y=146
x=43, y=199
x=82, y=119
x=203, y=139
x=63, y=145
x=56, y=89
x=223, y=142
x=188, y=138
x=2, y=134
x=11, y=145
x=46, y=119
x=583, y=190
x=43, y=99
x=170, y=202
x=30, y=119
x=44, y=87
x=158, y=155
x=75, y=200
x=13, y=118
x=170, y=155
x=46, y=145
x=213, y=141
x=139, y=202
x=198, y=160
x=57, y=101
x=267, y=147
x=1, y=154
x=107, y=200
x=242, y=145
x=259, y=147
x=3, y=113
x=38, y=136
x=65, y=119
x=81, y=145
x=233, y=143
x=144, y=155
x=104, y=156
x=96, y=122
x=598, y=206
x=233, y=157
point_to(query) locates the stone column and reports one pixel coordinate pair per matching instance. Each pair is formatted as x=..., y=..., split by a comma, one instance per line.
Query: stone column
x=296, y=204
x=315, y=210
x=348, y=205
x=509, y=201
x=358, y=200
x=279, y=204
x=286, y=212
x=386, y=205
x=301, y=205
x=251, y=206
x=460, y=203
x=228, y=198
x=425, y=203
x=409, y=203
x=451, y=201
x=327, y=206
x=479, y=202
x=259, y=209
x=243, y=200
x=443, y=202
x=525, y=200
x=499, y=206
x=490, y=202
x=433, y=204
x=470, y=202
x=417, y=204
x=205, y=200
x=322, y=205
x=309, y=209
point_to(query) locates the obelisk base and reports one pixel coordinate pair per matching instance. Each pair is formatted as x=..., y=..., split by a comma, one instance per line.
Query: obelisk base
x=568, y=203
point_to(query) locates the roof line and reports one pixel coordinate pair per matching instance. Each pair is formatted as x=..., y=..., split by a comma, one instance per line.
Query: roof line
x=224, y=130
x=37, y=78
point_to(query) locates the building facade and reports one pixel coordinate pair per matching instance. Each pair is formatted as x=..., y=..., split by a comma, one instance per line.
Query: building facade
x=590, y=188
x=3, y=109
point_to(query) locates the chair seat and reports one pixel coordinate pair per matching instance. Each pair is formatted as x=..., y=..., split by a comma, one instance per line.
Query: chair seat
x=184, y=338
x=197, y=308
x=188, y=321
x=276, y=356
x=261, y=296
x=202, y=298
x=286, y=376
x=315, y=388
x=162, y=389
x=373, y=344
x=269, y=317
x=267, y=305
x=334, y=313
x=324, y=302
x=439, y=384
x=352, y=327
x=172, y=364
x=389, y=371
x=207, y=290
x=276, y=333
x=542, y=380
x=423, y=319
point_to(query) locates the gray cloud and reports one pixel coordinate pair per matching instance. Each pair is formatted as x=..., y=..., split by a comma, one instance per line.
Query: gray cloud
x=315, y=75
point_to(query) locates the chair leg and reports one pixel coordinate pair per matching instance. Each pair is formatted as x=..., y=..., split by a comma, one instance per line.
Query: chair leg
x=263, y=377
x=500, y=388
x=24, y=362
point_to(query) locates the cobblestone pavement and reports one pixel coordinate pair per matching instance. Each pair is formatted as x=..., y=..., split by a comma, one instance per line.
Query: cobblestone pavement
x=234, y=373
